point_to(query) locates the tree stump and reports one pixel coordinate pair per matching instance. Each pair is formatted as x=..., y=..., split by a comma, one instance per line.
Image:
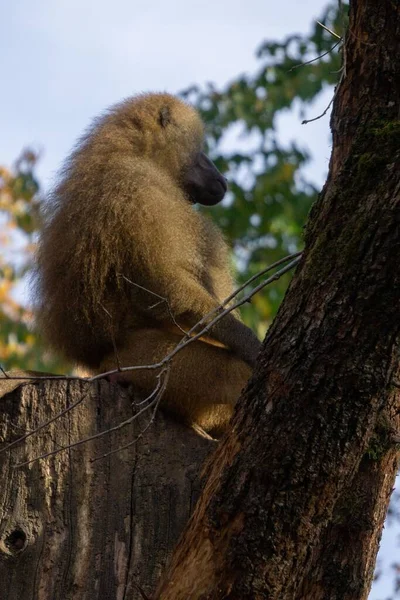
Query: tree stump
x=73, y=528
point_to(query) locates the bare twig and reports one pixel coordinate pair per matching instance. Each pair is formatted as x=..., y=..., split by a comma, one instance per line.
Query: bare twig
x=263, y=284
x=242, y=287
x=96, y=435
x=321, y=115
x=216, y=310
x=141, y=592
x=308, y=62
x=45, y=424
x=4, y=373
x=162, y=299
x=329, y=30
x=277, y=263
x=143, y=431
x=112, y=332
x=342, y=76
x=191, y=336
x=150, y=396
x=46, y=377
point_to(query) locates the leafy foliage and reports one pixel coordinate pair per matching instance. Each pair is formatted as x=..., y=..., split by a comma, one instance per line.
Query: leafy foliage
x=19, y=222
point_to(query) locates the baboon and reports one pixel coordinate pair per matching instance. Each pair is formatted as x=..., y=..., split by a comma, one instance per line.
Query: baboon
x=122, y=216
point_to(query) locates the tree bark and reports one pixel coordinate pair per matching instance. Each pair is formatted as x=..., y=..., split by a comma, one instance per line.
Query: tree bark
x=298, y=490
x=72, y=528
x=342, y=563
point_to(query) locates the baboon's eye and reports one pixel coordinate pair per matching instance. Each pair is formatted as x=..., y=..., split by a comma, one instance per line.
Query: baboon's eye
x=164, y=116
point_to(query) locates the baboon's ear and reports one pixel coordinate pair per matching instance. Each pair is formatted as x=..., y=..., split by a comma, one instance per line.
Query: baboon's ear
x=164, y=116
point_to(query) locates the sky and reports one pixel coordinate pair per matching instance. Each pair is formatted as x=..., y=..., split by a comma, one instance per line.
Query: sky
x=64, y=62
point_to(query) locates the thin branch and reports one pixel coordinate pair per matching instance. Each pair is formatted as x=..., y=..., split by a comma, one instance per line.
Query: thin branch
x=95, y=436
x=45, y=377
x=162, y=299
x=245, y=299
x=150, y=396
x=342, y=76
x=143, y=431
x=112, y=332
x=192, y=335
x=260, y=274
x=321, y=115
x=45, y=424
x=160, y=364
x=329, y=30
x=141, y=592
x=243, y=286
x=308, y=62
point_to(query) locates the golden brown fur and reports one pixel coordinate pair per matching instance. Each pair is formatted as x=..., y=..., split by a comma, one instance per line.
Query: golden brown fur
x=122, y=210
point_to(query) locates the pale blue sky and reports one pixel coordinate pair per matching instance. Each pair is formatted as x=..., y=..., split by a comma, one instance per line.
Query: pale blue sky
x=63, y=62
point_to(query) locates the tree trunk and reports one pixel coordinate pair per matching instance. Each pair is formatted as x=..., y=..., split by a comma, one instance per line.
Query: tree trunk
x=72, y=528
x=298, y=490
x=342, y=564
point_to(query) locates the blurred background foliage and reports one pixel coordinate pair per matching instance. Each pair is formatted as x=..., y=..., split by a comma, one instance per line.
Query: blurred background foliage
x=264, y=212
x=19, y=225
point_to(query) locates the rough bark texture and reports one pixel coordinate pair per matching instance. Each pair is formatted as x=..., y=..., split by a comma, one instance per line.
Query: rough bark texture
x=70, y=528
x=341, y=565
x=298, y=490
